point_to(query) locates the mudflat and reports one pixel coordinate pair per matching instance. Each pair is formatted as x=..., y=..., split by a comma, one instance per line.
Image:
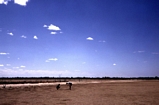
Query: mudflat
x=116, y=92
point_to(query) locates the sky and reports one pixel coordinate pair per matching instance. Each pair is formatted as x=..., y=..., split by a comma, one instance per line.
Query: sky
x=79, y=38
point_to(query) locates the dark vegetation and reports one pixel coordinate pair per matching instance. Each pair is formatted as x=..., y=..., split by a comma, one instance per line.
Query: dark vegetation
x=23, y=80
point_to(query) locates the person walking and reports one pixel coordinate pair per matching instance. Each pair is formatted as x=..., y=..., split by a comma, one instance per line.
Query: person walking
x=69, y=84
x=58, y=86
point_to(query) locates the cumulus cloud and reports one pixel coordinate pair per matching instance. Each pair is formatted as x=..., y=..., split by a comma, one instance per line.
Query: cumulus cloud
x=53, y=33
x=22, y=66
x=3, y=53
x=45, y=25
x=53, y=27
x=23, y=36
x=114, y=64
x=35, y=37
x=1, y=65
x=11, y=34
x=4, y=2
x=53, y=59
x=19, y=2
x=89, y=38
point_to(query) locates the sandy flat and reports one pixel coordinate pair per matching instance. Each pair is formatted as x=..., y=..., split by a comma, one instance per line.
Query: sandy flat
x=55, y=83
x=83, y=93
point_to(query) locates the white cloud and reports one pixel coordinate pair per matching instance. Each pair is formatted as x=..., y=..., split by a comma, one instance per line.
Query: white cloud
x=53, y=59
x=15, y=67
x=35, y=37
x=42, y=73
x=53, y=27
x=23, y=36
x=8, y=64
x=53, y=33
x=4, y=2
x=138, y=51
x=11, y=34
x=114, y=64
x=1, y=65
x=89, y=38
x=22, y=66
x=45, y=25
x=141, y=51
x=47, y=61
x=21, y=2
x=3, y=53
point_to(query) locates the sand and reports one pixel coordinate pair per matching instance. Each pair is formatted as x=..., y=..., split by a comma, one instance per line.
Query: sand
x=126, y=92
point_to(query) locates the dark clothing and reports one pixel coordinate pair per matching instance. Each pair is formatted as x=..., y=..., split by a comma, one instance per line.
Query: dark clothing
x=58, y=86
x=70, y=84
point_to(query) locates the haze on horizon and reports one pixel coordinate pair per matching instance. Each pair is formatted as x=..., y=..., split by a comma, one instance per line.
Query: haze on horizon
x=73, y=38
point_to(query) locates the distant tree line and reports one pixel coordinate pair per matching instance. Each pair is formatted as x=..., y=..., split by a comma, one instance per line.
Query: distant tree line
x=23, y=80
x=105, y=78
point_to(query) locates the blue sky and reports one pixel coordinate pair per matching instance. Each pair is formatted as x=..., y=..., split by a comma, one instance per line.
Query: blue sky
x=79, y=38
